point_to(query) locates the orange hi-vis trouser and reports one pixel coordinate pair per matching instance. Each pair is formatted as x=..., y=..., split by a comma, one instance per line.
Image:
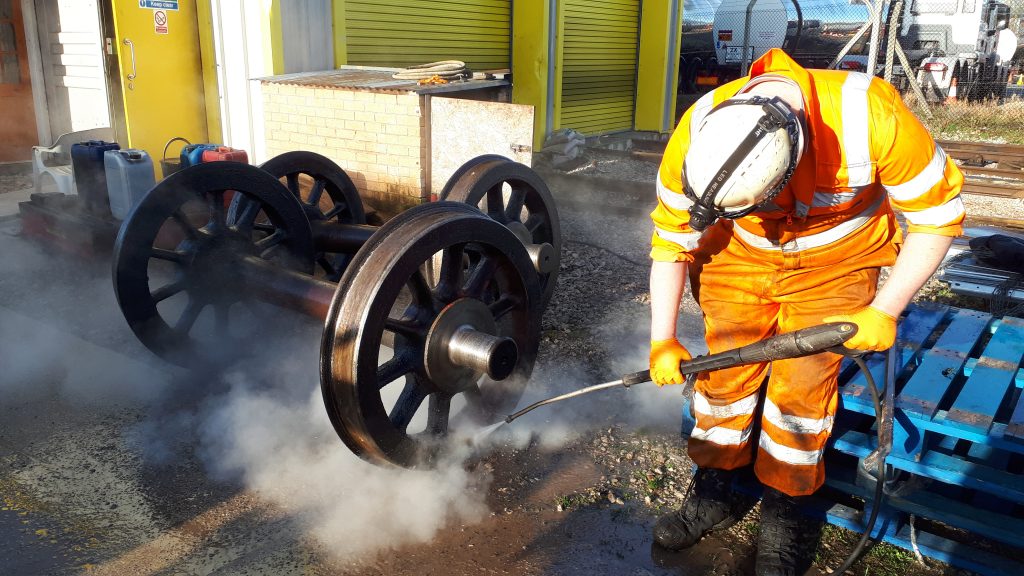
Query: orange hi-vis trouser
x=748, y=294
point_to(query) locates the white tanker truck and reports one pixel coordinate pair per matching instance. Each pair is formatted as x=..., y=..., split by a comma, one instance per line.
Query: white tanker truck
x=944, y=39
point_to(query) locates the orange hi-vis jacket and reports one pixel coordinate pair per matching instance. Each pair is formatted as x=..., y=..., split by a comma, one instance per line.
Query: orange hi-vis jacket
x=866, y=154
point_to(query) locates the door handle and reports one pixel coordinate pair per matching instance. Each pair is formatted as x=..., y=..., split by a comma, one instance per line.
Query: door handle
x=134, y=74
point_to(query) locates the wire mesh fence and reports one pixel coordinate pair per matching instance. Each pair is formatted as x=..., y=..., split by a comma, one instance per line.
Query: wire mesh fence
x=959, y=63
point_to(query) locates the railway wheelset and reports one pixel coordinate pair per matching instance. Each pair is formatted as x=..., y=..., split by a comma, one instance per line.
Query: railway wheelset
x=442, y=302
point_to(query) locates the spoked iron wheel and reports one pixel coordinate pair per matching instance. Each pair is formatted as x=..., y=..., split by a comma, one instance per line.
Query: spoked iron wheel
x=326, y=193
x=515, y=196
x=469, y=338
x=177, y=259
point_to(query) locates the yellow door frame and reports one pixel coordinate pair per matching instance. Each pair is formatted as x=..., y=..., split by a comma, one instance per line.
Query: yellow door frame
x=658, y=65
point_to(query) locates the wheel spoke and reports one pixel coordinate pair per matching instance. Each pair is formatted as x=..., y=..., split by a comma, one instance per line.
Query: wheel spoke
x=533, y=222
x=503, y=306
x=265, y=227
x=395, y=368
x=246, y=218
x=407, y=404
x=515, y=204
x=437, y=413
x=318, y=190
x=495, y=202
x=189, y=316
x=420, y=290
x=480, y=276
x=338, y=209
x=164, y=292
x=186, y=227
x=450, y=276
x=293, y=184
x=218, y=218
x=270, y=242
x=404, y=327
x=169, y=255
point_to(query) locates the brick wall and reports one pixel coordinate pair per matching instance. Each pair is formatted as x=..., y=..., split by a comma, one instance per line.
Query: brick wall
x=375, y=137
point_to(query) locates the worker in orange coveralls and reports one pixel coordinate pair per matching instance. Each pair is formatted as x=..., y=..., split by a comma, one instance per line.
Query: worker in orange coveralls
x=776, y=195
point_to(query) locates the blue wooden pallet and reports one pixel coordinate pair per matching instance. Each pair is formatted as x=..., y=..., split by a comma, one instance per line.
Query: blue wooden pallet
x=958, y=436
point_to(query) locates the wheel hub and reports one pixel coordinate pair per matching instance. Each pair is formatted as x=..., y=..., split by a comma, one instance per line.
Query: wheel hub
x=461, y=347
x=213, y=259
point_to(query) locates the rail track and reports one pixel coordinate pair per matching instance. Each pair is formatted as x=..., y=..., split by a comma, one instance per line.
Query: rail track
x=1005, y=180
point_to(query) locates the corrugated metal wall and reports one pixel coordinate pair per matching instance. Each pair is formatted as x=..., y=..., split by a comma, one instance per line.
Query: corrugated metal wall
x=406, y=32
x=599, y=59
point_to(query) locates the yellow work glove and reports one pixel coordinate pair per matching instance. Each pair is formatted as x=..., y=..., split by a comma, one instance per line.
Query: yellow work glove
x=876, y=330
x=665, y=358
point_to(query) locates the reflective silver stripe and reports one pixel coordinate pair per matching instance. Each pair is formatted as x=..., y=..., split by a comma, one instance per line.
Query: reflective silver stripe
x=787, y=454
x=686, y=240
x=722, y=436
x=700, y=111
x=829, y=199
x=673, y=200
x=740, y=407
x=837, y=232
x=856, y=141
x=795, y=424
x=938, y=215
x=924, y=181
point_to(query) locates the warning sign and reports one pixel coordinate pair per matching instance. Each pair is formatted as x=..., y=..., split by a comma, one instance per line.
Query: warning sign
x=160, y=21
x=725, y=35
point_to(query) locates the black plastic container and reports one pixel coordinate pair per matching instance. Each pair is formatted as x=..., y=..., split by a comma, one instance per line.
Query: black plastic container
x=91, y=176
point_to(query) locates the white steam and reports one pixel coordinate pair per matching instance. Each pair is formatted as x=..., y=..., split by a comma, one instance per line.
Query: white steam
x=271, y=432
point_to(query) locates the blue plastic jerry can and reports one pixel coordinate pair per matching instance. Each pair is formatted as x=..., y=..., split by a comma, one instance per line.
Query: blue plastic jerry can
x=129, y=177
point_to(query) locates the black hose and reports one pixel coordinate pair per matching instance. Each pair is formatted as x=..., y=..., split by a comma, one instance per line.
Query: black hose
x=879, y=481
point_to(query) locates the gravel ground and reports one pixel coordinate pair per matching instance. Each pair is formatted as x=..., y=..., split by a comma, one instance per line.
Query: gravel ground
x=15, y=182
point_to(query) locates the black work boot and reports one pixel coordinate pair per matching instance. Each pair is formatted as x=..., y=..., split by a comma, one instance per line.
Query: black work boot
x=788, y=539
x=710, y=505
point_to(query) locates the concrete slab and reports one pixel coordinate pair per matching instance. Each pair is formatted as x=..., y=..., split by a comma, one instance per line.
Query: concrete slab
x=9, y=202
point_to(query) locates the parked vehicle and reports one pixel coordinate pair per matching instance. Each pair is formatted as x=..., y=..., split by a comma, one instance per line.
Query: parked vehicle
x=943, y=40
x=972, y=46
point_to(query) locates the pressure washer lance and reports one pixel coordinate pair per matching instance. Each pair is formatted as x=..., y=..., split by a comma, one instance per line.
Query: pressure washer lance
x=789, y=345
x=794, y=344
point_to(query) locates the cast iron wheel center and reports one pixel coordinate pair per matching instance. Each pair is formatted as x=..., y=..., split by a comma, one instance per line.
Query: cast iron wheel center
x=212, y=260
x=461, y=347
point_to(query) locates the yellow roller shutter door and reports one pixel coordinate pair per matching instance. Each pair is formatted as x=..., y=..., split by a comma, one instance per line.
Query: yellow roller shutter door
x=405, y=32
x=599, y=56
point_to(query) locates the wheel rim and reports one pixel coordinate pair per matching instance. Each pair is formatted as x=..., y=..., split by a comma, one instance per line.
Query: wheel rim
x=469, y=165
x=386, y=292
x=515, y=196
x=325, y=192
x=175, y=254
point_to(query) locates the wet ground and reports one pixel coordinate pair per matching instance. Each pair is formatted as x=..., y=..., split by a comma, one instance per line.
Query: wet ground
x=114, y=462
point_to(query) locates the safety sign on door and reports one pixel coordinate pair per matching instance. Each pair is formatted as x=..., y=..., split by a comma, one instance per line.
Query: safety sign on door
x=160, y=21
x=159, y=4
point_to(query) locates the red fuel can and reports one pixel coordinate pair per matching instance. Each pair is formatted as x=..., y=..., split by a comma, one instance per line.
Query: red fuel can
x=225, y=154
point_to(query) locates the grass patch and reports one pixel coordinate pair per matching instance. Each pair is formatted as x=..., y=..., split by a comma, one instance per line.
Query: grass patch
x=976, y=121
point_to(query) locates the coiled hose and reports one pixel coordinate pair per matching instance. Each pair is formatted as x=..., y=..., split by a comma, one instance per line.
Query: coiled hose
x=449, y=70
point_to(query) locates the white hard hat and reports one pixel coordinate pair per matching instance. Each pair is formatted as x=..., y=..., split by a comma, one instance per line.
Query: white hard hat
x=740, y=157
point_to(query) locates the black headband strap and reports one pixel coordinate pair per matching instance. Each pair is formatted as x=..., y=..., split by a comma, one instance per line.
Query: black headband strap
x=777, y=116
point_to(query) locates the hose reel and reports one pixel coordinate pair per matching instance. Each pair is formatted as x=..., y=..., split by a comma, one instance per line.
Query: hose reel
x=441, y=302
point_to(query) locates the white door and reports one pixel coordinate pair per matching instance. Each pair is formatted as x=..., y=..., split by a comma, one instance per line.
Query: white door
x=71, y=52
